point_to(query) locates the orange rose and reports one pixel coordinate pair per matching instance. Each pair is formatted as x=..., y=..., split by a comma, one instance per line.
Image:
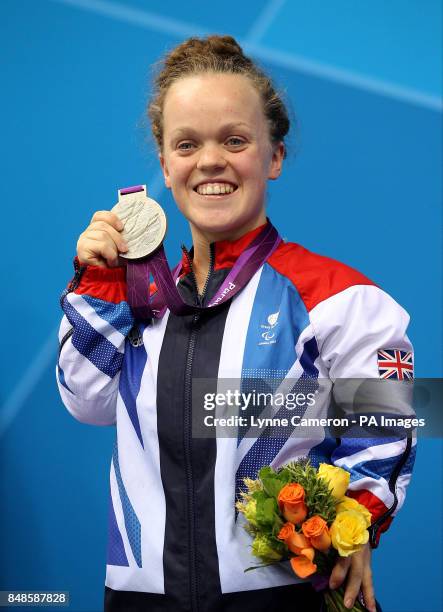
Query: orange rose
x=295, y=541
x=291, y=503
x=316, y=529
x=286, y=531
x=292, y=493
x=296, y=513
x=303, y=566
x=308, y=552
x=299, y=544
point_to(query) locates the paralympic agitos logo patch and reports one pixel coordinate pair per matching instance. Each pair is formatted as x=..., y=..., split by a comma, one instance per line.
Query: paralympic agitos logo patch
x=269, y=332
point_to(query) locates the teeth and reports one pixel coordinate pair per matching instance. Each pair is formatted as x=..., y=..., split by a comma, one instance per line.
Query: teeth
x=214, y=188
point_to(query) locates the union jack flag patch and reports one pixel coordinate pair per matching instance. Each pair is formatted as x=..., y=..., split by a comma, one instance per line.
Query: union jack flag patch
x=396, y=364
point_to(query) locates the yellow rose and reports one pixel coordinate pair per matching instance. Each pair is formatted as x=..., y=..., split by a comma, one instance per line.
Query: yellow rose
x=337, y=478
x=348, y=503
x=348, y=532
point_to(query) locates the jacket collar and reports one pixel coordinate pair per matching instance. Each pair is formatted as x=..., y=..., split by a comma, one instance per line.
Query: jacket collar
x=226, y=252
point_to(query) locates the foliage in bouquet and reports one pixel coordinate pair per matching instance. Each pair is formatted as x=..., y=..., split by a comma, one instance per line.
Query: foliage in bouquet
x=301, y=514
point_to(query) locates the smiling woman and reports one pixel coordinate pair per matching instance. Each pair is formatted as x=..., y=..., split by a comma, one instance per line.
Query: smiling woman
x=176, y=542
x=217, y=155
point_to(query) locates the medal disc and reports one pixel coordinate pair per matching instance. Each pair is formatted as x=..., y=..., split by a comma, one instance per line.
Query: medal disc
x=144, y=224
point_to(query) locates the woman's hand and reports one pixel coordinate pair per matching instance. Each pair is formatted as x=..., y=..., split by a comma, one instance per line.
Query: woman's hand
x=101, y=242
x=358, y=569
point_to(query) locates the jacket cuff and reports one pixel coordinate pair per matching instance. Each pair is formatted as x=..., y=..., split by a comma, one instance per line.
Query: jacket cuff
x=108, y=284
x=376, y=530
x=381, y=518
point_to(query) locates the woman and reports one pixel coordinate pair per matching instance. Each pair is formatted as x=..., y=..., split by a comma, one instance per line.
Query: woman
x=174, y=540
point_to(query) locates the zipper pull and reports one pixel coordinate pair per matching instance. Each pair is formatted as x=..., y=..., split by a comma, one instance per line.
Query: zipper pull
x=200, y=296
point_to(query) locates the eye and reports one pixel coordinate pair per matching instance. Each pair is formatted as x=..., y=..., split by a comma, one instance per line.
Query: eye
x=235, y=141
x=185, y=146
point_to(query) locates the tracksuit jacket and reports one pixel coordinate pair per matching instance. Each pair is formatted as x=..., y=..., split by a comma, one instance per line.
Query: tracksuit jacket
x=175, y=539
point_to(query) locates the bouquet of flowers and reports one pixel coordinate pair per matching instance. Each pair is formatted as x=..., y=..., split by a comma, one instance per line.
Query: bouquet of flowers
x=301, y=514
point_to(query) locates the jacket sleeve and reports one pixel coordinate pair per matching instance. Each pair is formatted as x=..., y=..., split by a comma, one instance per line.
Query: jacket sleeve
x=351, y=327
x=96, y=321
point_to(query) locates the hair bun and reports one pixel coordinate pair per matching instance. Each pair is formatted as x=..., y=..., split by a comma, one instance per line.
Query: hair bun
x=222, y=46
x=225, y=45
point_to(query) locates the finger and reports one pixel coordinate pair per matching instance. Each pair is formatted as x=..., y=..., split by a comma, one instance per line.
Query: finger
x=88, y=252
x=92, y=261
x=110, y=254
x=92, y=249
x=103, y=237
x=108, y=217
x=111, y=231
x=367, y=588
x=88, y=258
x=355, y=576
x=339, y=572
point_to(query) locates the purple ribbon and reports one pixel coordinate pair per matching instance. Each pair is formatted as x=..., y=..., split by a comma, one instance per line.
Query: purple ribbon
x=134, y=189
x=320, y=582
x=167, y=295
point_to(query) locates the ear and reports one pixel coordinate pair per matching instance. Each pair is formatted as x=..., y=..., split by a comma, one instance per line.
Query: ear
x=165, y=171
x=276, y=162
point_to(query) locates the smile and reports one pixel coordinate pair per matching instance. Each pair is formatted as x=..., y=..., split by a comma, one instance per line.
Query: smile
x=209, y=189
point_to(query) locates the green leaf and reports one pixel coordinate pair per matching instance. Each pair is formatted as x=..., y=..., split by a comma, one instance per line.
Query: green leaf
x=253, y=567
x=260, y=496
x=272, y=485
x=279, y=546
x=278, y=524
x=266, y=512
x=265, y=472
x=284, y=476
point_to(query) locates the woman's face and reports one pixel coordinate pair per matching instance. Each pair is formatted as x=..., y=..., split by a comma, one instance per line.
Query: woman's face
x=217, y=154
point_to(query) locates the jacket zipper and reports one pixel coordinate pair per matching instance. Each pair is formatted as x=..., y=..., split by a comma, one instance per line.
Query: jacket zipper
x=79, y=270
x=64, y=340
x=187, y=432
x=74, y=283
x=374, y=528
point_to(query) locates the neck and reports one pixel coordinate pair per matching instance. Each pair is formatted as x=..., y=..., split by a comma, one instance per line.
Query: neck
x=201, y=261
x=202, y=254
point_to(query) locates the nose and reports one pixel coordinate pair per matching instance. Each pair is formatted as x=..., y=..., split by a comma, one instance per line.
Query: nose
x=211, y=158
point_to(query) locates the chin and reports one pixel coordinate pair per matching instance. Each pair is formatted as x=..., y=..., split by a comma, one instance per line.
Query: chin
x=224, y=226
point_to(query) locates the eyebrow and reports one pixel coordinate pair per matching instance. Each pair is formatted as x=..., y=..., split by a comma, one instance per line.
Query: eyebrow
x=225, y=128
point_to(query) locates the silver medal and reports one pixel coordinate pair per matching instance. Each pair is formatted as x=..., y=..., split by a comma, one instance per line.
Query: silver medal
x=144, y=223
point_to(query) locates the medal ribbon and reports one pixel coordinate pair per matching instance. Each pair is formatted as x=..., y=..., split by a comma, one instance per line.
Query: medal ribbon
x=168, y=296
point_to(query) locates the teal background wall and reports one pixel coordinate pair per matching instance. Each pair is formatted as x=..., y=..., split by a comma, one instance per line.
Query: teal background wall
x=362, y=183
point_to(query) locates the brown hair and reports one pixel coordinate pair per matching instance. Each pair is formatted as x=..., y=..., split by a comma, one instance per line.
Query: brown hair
x=215, y=54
